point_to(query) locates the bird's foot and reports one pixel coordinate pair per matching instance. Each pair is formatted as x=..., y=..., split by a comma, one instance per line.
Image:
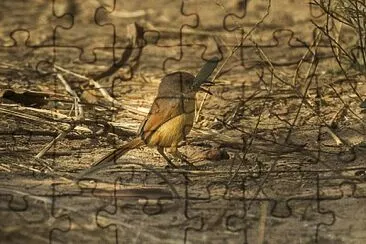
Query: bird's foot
x=171, y=165
x=183, y=159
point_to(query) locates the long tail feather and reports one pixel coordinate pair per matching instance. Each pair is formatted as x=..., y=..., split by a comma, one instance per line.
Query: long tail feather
x=111, y=158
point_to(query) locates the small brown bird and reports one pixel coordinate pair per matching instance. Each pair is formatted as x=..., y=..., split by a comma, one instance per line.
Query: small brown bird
x=170, y=118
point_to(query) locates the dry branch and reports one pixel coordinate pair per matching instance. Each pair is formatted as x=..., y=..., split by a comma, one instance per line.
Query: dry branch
x=79, y=113
x=104, y=92
x=233, y=50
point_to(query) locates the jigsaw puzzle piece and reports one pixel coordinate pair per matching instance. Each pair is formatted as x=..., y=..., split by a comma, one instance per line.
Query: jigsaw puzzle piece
x=280, y=13
x=273, y=208
x=347, y=199
x=40, y=29
x=268, y=25
x=148, y=212
x=79, y=203
x=196, y=39
x=221, y=212
x=87, y=33
x=29, y=56
x=28, y=217
x=302, y=214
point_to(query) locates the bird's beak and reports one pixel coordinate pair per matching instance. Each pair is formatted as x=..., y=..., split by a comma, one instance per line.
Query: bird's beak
x=205, y=90
x=209, y=83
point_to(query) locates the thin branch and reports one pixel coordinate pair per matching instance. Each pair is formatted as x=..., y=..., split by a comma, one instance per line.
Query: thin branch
x=58, y=138
x=309, y=77
x=79, y=113
x=272, y=71
x=102, y=91
x=233, y=51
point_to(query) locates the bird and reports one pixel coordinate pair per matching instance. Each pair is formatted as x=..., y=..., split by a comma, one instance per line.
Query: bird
x=170, y=118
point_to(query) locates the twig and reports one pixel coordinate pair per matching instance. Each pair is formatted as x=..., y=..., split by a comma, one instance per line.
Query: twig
x=346, y=106
x=304, y=101
x=44, y=164
x=261, y=184
x=315, y=43
x=102, y=91
x=333, y=41
x=335, y=117
x=93, y=82
x=125, y=128
x=247, y=148
x=26, y=116
x=27, y=167
x=262, y=222
x=234, y=49
x=213, y=79
x=59, y=137
x=334, y=136
x=79, y=113
x=5, y=167
x=47, y=112
x=309, y=77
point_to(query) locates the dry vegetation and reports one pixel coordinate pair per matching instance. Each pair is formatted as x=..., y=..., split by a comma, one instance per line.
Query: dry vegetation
x=279, y=148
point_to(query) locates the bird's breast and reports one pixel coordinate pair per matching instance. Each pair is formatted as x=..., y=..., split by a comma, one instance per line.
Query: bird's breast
x=172, y=131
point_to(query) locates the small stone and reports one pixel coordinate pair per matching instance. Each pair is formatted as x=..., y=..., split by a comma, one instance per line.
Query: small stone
x=216, y=125
x=216, y=154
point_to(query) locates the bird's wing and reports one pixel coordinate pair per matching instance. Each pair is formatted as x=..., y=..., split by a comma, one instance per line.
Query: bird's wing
x=162, y=110
x=206, y=71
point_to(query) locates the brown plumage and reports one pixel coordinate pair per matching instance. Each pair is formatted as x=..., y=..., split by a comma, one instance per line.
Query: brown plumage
x=169, y=121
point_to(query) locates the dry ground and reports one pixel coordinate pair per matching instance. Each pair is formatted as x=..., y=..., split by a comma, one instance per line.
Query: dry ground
x=279, y=154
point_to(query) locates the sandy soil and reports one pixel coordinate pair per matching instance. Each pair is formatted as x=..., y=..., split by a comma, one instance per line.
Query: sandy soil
x=279, y=147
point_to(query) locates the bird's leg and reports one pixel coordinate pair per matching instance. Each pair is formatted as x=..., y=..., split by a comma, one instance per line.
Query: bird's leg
x=176, y=154
x=162, y=153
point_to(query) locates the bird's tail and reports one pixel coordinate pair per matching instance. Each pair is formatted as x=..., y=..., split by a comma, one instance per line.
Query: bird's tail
x=111, y=158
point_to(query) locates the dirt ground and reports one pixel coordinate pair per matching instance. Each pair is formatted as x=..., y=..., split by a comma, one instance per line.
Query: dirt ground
x=279, y=148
